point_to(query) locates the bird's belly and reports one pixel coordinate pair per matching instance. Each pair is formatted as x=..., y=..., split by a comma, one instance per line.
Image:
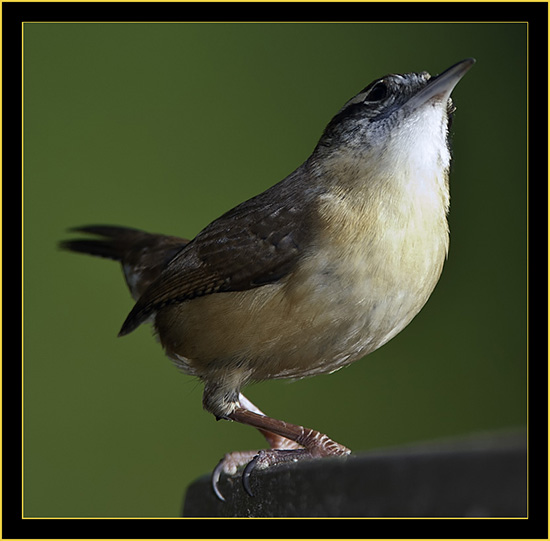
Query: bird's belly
x=357, y=305
x=318, y=319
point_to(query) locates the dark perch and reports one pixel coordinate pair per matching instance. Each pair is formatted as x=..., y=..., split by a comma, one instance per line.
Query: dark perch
x=484, y=476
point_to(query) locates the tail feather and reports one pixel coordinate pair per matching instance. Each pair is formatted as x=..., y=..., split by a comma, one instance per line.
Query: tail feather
x=142, y=255
x=115, y=244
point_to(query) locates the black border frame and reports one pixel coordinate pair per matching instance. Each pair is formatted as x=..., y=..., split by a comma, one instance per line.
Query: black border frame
x=15, y=13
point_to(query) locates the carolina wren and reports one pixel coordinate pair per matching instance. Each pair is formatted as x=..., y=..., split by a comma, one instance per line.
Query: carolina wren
x=310, y=275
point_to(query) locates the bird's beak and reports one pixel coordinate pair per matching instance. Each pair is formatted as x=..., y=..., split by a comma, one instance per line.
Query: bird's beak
x=440, y=87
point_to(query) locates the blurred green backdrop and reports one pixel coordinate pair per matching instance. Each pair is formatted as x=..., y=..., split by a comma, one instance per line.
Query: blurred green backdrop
x=166, y=126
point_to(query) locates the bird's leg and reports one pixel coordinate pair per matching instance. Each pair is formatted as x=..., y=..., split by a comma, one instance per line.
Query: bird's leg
x=316, y=443
x=288, y=443
x=275, y=441
x=231, y=462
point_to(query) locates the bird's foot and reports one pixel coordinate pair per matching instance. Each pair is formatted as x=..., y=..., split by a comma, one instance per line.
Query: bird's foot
x=288, y=442
x=263, y=459
x=270, y=457
x=253, y=460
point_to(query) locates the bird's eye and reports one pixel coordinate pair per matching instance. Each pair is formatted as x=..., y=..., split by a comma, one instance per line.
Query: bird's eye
x=378, y=92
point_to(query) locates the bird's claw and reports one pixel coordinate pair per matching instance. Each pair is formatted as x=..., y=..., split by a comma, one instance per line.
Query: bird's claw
x=229, y=465
x=215, y=479
x=246, y=474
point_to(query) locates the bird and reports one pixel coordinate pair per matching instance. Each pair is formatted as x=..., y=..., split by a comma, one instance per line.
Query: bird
x=314, y=273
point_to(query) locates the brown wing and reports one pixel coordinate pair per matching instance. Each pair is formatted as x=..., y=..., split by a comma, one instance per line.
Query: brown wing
x=256, y=243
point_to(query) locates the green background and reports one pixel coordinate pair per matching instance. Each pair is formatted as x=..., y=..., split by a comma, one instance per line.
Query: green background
x=166, y=126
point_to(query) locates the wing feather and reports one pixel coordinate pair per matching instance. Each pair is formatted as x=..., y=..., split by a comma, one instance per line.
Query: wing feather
x=256, y=243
